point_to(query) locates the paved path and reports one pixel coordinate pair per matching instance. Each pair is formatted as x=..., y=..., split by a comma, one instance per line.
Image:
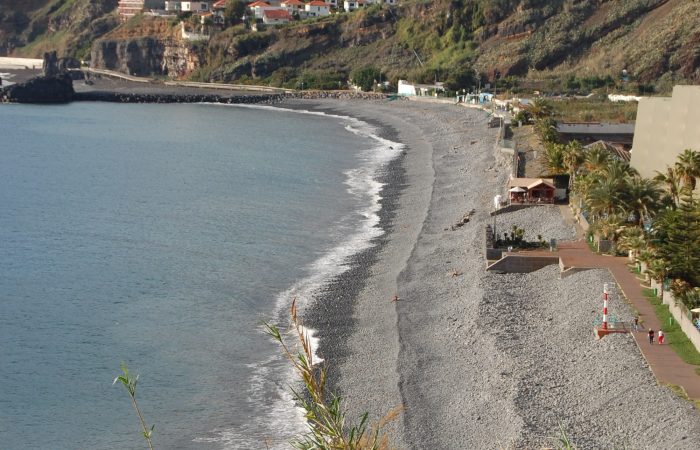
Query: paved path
x=665, y=364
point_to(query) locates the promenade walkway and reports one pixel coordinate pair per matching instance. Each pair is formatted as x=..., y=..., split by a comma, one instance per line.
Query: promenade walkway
x=665, y=364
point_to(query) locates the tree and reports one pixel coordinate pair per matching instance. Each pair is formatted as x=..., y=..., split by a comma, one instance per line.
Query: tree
x=677, y=238
x=596, y=159
x=573, y=157
x=366, y=77
x=554, y=157
x=688, y=167
x=641, y=198
x=234, y=12
x=461, y=77
x=540, y=108
x=632, y=240
x=673, y=184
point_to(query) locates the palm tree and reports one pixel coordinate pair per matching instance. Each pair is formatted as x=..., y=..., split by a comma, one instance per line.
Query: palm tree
x=573, y=157
x=596, y=159
x=641, y=197
x=540, y=108
x=618, y=170
x=554, y=158
x=688, y=167
x=632, y=239
x=673, y=183
x=657, y=270
x=605, y=197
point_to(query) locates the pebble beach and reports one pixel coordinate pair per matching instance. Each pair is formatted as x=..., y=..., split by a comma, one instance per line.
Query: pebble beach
x=478, y=359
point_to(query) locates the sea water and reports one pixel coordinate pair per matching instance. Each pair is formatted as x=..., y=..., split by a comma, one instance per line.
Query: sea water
x=162, y=236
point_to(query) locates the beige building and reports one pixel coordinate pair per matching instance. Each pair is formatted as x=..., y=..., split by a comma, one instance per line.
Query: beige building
x=664, y=128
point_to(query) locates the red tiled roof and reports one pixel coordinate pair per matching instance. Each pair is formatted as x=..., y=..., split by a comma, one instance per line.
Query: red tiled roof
x=292, y=3
x=221, y=4
x=258, y=3
x=276, y=14
x=317, y=3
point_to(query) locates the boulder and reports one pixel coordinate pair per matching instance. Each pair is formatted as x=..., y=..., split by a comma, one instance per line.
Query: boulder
x=58, y=89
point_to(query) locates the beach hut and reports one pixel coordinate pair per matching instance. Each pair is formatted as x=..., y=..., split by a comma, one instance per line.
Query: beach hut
x=531, y=190
x=541, y=191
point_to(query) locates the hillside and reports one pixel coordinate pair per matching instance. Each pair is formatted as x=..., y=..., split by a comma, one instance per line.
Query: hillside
x=31, y=27
x=549, y=44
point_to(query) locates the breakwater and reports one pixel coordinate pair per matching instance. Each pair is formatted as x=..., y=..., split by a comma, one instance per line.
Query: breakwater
x=174, y=97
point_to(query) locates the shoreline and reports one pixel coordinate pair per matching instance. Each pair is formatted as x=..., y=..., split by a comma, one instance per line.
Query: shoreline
x=478, y=360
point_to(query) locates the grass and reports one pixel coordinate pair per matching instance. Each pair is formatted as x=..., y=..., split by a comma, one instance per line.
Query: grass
x=595, y=109
x=674, y=335
x=679, y=391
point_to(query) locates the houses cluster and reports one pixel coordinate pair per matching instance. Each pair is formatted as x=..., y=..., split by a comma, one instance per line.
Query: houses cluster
x=269, y=12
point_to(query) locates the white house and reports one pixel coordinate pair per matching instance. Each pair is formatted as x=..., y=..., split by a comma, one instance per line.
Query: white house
x=276, y=16
x=412, y=89
x=293, y=6
x=195, y=7
x=352, y=5
x=317, y=8
x=173, y=6
x=258, y=7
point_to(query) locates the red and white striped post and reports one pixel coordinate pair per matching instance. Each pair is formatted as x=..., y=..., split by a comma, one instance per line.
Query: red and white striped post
x=605, y=306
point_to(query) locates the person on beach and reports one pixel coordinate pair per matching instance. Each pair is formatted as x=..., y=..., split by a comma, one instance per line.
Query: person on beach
x=661, y=337
x=651, y=336
x=635, y=327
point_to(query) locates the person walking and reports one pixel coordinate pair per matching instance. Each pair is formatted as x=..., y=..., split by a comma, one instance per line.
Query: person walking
x=636, y=324
x=651, y=336
x=661, y=337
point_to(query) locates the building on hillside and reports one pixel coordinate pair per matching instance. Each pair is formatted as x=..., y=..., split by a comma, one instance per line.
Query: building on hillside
x=352, y=5
x=665, y=127
x=276, y=16
x=589, y=132
x=196, y=7
x=416, y=90
x=129, y=8
x=293, y=6
x=173, y=6
x=317, y=8
x=257, y=8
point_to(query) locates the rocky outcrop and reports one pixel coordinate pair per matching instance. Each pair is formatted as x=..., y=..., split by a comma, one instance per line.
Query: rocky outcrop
x=58, y=89
x=146, y=56
x=137, y=56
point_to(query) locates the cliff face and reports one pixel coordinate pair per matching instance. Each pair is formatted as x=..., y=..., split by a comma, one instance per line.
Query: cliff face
x=145, y=56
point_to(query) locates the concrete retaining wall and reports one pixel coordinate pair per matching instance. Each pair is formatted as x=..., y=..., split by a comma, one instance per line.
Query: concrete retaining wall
x=522, y=264
x=678, y=313
x=20, y=63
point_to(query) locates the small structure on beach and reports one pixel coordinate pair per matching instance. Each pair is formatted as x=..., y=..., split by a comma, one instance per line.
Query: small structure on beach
x=531, y=190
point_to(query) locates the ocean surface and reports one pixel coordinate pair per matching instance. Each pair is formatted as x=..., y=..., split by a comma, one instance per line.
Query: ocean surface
x=162, y=236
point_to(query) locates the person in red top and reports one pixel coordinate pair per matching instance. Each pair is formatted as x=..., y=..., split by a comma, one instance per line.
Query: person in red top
x=661, y=337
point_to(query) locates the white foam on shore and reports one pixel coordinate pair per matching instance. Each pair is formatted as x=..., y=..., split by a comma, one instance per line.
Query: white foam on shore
x=362, y=183
x=6, y=79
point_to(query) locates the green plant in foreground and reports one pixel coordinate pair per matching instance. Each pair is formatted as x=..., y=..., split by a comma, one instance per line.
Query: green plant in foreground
x=562, y=441
x=129, y=381
x=325, y=417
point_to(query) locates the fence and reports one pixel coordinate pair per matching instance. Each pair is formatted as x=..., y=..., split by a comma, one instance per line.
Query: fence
x=683, y=317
